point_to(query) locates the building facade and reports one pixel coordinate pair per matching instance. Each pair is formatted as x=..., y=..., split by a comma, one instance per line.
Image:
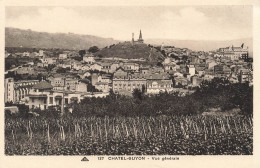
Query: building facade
x=16, y=91
x=157, y=86
x=125, y=83
x=43, y=96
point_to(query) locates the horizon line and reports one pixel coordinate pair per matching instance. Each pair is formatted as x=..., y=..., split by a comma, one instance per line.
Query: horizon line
x=155, y=38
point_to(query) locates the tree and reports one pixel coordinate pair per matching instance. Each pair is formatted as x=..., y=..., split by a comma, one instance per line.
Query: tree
x=36, y=60
x=159, y=64
x=143, y=89
x=184, y=58
x=78, y=58
x=100, y=56
x=50, y=67
x=163, y=53
x=91, y=88
x=62, y=70
x=82, y=52
x=220, y=93
x=137, y=94
x=93, y=49
x=40, y=76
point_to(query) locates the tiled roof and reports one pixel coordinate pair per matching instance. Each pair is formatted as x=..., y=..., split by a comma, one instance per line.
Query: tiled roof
x=160, y=82
x=157, y=76
x=43, y=85
x=101, y=83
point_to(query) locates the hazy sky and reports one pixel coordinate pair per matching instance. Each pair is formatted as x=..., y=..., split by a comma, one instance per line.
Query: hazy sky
x=168, y=22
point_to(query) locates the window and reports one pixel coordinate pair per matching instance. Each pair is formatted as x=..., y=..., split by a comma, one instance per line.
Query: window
x=45, y=107
x=66, y=101
x=51, y=100
x=44, y=101
x=33, y=100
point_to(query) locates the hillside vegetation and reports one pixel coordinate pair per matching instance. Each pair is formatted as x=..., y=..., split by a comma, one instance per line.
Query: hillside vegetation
x=26, y=38
x=128, y=51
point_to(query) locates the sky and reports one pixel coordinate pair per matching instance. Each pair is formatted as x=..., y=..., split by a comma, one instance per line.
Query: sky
x=119, y=22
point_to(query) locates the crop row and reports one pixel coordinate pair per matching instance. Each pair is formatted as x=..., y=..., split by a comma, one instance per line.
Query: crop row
x=191, y=135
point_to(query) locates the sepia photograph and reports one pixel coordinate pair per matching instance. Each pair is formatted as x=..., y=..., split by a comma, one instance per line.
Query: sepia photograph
x=128, y=80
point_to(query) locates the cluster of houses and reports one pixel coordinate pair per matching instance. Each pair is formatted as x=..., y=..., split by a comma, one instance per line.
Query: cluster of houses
x=181, y=71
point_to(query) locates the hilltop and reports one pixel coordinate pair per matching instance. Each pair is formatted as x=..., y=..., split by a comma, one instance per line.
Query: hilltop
x=31, y=39
x=128, y=51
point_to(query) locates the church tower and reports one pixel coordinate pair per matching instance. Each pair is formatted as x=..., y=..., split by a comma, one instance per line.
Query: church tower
x=162, y=46
x=133, y=40
x=140, y=40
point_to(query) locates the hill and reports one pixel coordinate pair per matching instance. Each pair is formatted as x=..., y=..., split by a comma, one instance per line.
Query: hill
x=203, y=45
x=128, y=51
x=17, y=37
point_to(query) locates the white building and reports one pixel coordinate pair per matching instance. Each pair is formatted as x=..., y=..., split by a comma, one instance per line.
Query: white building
x=42, y=96
x=96, y=66
x=88, y=59
x=157, y=86
x=63, y=56
x=40, y=53
x=48, y=60
x=17, y=91
x=26, y=54
x=191, y=70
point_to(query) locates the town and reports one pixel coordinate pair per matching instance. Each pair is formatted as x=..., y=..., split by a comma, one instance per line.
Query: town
x=109, y=81
x=43, y=78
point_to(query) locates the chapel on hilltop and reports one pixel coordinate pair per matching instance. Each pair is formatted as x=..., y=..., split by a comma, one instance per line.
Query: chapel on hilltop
x=140, y=40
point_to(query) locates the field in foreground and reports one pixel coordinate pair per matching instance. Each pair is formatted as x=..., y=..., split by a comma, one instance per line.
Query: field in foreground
x=161, y=135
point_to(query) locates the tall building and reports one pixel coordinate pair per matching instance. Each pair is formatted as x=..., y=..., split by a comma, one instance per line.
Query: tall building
x=125, y=83
x=234, y=53
x=16, y=91
x=191, y=69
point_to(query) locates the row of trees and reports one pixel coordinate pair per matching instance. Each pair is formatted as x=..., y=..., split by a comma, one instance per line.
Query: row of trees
x=92, y=49
x=218, y=93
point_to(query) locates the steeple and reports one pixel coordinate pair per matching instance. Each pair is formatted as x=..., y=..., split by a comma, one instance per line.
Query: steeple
x=140, y=37
x=133, y=40
x=162, y=46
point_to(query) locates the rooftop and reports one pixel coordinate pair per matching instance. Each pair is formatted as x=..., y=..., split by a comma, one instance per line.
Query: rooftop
x=43, y=85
